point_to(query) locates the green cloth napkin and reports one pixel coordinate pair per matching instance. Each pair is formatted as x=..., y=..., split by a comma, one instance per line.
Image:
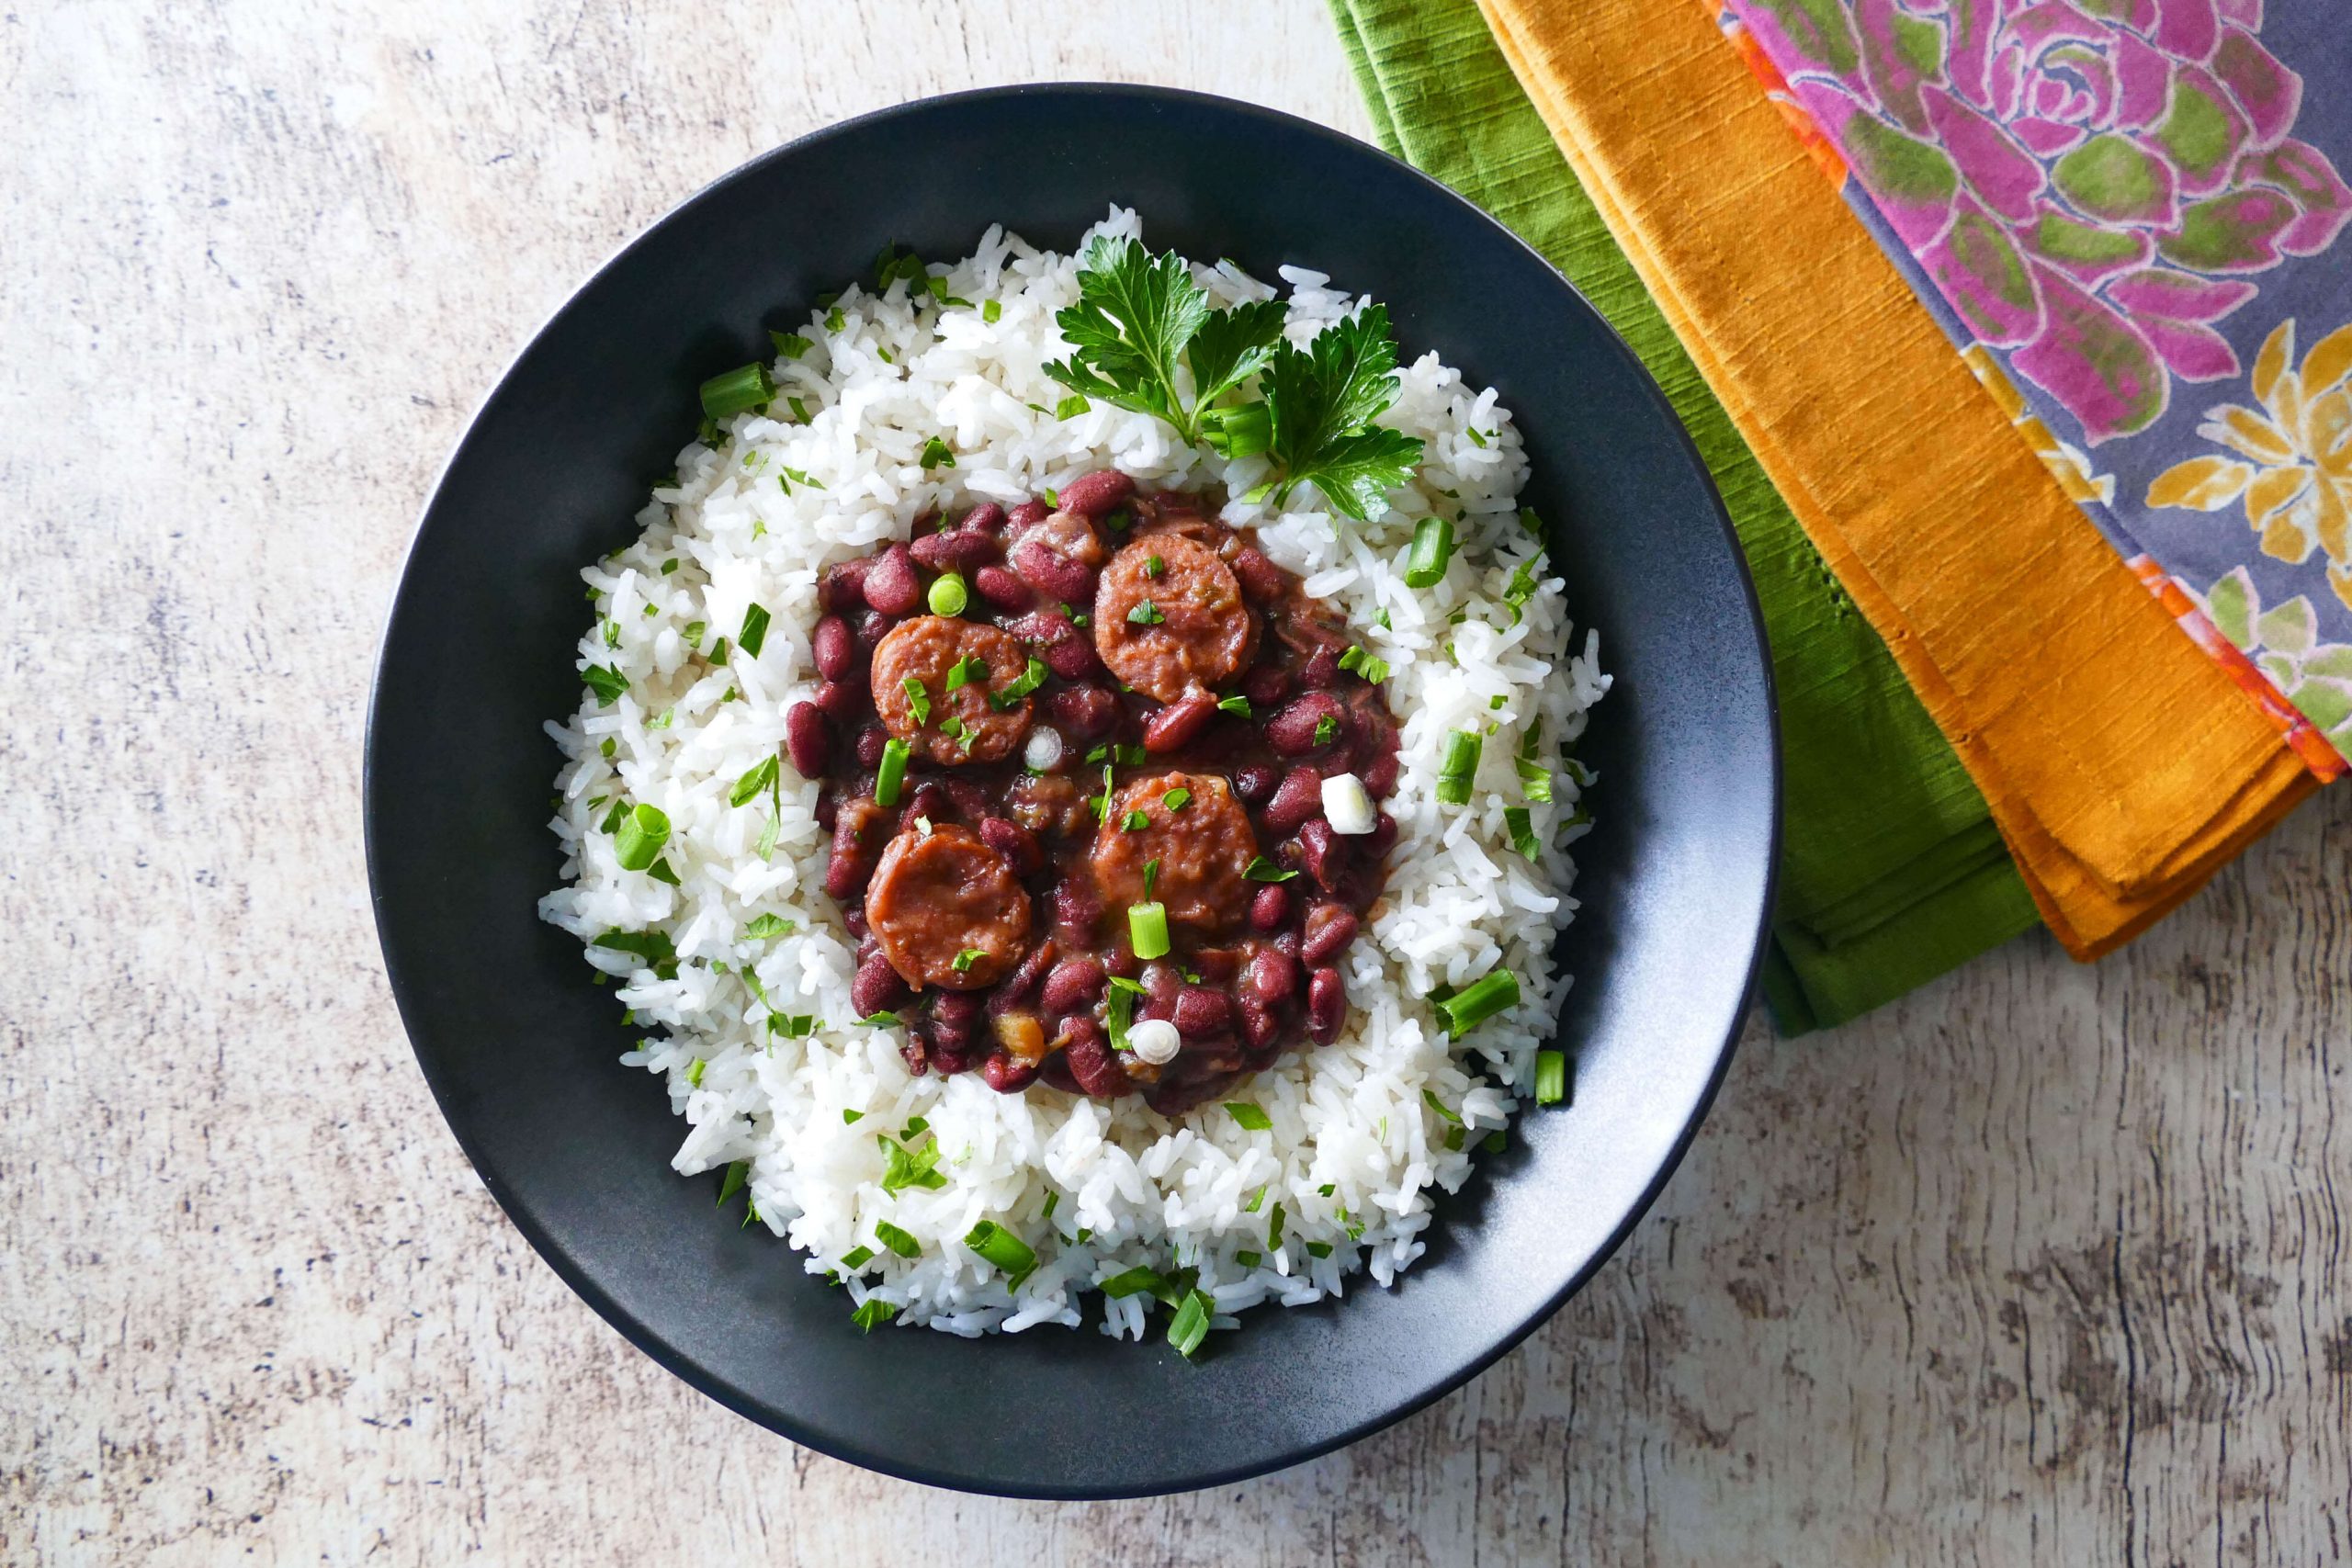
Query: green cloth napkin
x=1891, y=870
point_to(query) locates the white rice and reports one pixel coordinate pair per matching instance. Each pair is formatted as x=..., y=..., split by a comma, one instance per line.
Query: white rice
x=1355, y=1150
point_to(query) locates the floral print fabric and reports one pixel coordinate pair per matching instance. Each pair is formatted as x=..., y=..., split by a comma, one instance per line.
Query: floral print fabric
x=2127, y=205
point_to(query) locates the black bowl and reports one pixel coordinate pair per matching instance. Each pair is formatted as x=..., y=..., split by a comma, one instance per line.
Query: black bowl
x=520, y=1048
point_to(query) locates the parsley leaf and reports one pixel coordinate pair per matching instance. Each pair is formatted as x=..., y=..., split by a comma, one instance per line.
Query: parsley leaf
x=1133, y=318
x=1324, y=398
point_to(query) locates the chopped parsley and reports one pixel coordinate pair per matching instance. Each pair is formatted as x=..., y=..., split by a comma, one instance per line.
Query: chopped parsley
x=910, y=1167
x=789, y=346
x=1260, y=869
x=608, y=682
x=1250, y=1116
x=965, y=670
x=1071, y=407
x=1145, y=615
x=872, y=1315
x=754, y=634
x=1177, y=799
x=966, y=958
x=897, y=1240
x=766, y=926
x=935, y=455
x=918, y=700
x=1325, y=729
x=659, y=953
x=1019, y=686
x=1236, y=705
x=1136, y=822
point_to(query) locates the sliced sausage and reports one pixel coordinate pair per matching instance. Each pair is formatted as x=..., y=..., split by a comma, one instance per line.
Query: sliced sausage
x=1168, y=617
x=1204, y=847
x=925, y=650
x=944, y=894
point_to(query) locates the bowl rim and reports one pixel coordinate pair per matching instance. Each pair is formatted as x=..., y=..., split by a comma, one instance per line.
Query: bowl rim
x=553, y=1252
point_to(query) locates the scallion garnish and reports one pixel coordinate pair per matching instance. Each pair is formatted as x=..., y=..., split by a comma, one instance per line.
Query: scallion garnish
x=1260, y=869
x=661, y=954
x=1326, y=728
x=1430, y=1099
x=857, y=1257
x=738, y=1172
x=1145, y=615
x=1253, y=1117
x=1372, y=669
x=1071, y=407
x=1520, y=588
x=891, y=773
x=965, y=670
x=1534, y=778
x=1136, y=822
x=1476, y=1003
x=1177, y=799
x=608, y=682
x=936, y=455
x=918, y=700
x=1118, y=1011
x=1019, y=686
x=852, y=1118
x=1236, y=705
x=1522, y=830
x=747, y=788
x=872, y=1315
x=730, y=392
x=694, y=1072
x=992, y=310
x=1001, y=1247
x=1457, y=767
x=1148, y=930
x=1433, y=548
x=754, y=634
x=966, y=958
x=1133, y=1281
x=1318, y=1249
x=1190, y=1324
x=615, y=817
x=1249, y=1259
x=1274, y=1230
x=910, y=1167
x=947, y=596
x=789, y=346
x=642, y=833
x=834, y=320
x=1550, y=1078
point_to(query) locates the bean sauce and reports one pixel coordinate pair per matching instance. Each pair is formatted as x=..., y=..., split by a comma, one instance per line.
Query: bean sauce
x=1196, y=703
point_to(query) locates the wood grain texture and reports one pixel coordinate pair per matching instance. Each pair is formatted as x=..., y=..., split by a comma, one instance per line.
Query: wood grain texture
x=2044, y=1264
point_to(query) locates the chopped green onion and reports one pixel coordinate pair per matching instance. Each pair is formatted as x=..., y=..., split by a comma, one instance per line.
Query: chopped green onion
x=1529, y=521
x=1145, y=615
x=1274, y=1230
x=1242, y=431
x=1520, y=588
x=1236, y=705
x=887, y=777
x=1071, y=407
x=642, y=833
x=1177, y=799
x=852, y=1118
x=660, y=872
x=1522, y=832
x=612, y=629
x=1457, y=767
x=1249, y=1259
x=872, y=1315
x=1534, y=778
x=1495, y=1142
x=732, y=391
x=966, y=958
x=1001, y=1247
x=1256, y=1200
x=936, y=455
x=1190, y=1324
x=1475, y=1004
x=738, y=1172
x=1134, y=1282
x=1118, y=1011
x=992, y=310
x=669, y=566
x=1019, y=686
x=608, y=746
x=857, y=1258
x=1154, y=566
x=693, y=633
x=800, y=414
x=835, y=321
x=897, y=1240
x=1477, y=437
x=918, y=700
x=952, y=727
x=1137, y=822
x=615, y=817
x=748, y=787
x=1148, y=930
x=1260, y=869
x=947, y=596
x=1433, y=548
x=766, y=926
x=694, y=1072
x=1550, y=1078
x=1150, y=876
x=754, y=632
x=1250, y=1116
x=1372, y=668
x=1128, y=756
x=965, y=670
x=1318, y=1249
x=605, y=682
x=1326, y=728
x=789, y=346
x=1430, y=1099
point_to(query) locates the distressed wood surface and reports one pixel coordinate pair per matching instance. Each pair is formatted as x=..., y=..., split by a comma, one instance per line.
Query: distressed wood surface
x=2044, y=1265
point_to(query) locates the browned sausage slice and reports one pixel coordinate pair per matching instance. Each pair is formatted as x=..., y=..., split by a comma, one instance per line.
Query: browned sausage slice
x=944, y=894
x=1203, y=847
x=1169, y=615
x=927, y=651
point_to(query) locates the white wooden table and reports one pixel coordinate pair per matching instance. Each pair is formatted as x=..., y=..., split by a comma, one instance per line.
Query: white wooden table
x=2045, y=1264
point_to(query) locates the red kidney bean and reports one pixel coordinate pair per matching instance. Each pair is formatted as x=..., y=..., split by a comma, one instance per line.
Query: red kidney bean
x=1073, y=659
x=1091, y=1060
x=1327, y=1005
x=1328, y=929
x=1259, y=1025
x=1324, y=854
x=1160, y=984
x=1321, y=671
x=892, y=586
x=1175, y=724
x=1273, y=976
x=1255, y=782
x=1286, y=941
x=947, y=1060
x=953, y=1016
x=971, y=801
x=1013, y=990
x=807, y=739
x=1077, y=909
x=958, y=549
x=1083, y=712
x=869, y=627
x=1028, y=515
x=1002, y=589
x=1383, y=837
x=839, y=699
x=915, y=1051
x=1201, y=1012
x=858, y=830
x=988, y=518
x=1380, y=776
x=1017, y=844
x=926, y=523
x=930, y=799
x=1261, y=580
x=876, y=987
x=1091, y=495
x=1006, y=1073
x=871, y=740
x=1075, y=985
x=829, y=810
x=1298, y=800
x=1292, y=731
x=1265, y=685
x=860, y=928
x=1055, y=1071
x=1269, y=906
x=843, y=586
x=833, y=649
x=1056, y=577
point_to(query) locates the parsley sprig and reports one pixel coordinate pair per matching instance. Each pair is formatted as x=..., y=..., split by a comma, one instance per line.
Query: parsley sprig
x=1140, y=317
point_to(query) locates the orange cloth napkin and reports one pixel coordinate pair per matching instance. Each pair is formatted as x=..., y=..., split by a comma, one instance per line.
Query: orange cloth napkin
x=2121, y=765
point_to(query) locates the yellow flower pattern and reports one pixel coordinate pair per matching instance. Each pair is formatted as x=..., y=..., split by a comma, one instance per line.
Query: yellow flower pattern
x=2291, y=463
